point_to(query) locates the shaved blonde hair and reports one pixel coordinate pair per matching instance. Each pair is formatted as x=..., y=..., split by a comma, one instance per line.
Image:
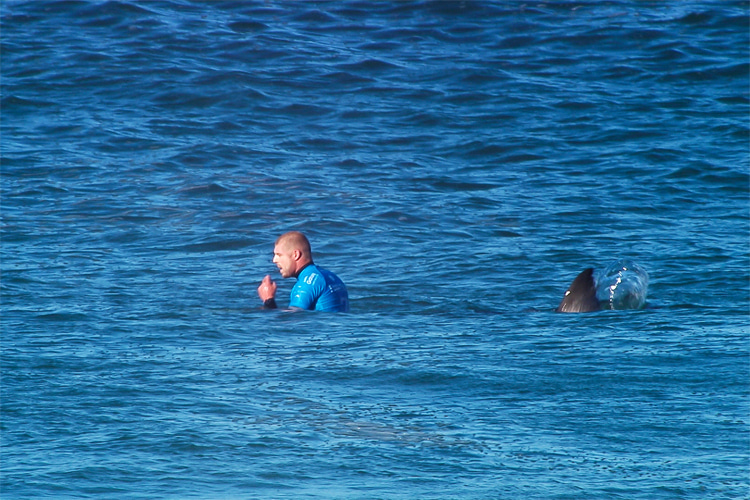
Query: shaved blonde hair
x=294, y=240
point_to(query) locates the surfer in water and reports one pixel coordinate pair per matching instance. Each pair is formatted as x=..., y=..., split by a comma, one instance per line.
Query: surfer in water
x=317, y=289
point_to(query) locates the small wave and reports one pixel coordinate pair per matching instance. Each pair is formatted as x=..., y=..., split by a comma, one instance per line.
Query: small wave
x=305, y=110
x=204, y=189
x=368, y=65
x=10, y=102
x=215, y=246
x=315, y=16
x=247, y=26
x=345, y=77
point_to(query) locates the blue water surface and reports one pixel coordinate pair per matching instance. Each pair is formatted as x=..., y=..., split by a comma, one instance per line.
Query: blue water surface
x=457, y=164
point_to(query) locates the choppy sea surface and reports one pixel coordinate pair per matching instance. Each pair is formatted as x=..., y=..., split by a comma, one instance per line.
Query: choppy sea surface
x=457, y=164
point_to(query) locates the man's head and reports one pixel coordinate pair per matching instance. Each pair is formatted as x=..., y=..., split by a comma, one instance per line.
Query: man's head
x=291, y=253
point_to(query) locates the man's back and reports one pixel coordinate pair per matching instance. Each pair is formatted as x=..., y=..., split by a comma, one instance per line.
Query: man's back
x=319, y=289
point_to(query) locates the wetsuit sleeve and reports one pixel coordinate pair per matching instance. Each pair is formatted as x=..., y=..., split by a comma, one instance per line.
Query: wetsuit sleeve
x=270, y=304
x=302, y=297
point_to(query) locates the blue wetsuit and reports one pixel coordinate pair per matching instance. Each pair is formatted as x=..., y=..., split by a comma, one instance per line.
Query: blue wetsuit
x=320, y=290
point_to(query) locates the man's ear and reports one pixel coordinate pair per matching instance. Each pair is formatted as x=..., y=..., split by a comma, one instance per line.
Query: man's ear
x=297, y=254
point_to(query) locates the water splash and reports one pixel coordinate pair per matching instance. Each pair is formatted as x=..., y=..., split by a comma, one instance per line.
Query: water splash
x=622, y=285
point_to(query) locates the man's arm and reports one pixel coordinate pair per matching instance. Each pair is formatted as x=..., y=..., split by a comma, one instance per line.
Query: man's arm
x=267, y=293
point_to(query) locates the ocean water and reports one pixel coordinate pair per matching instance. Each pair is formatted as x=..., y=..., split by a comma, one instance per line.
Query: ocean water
x=457, y=164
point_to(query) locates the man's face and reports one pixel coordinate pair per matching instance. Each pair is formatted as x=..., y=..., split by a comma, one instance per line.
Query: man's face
x=284, y=259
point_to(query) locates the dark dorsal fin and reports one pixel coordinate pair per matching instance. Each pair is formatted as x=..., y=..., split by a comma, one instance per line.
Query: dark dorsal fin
x=581, y=294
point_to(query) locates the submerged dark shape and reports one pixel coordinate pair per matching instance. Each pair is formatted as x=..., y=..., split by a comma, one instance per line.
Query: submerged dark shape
x=581, y=294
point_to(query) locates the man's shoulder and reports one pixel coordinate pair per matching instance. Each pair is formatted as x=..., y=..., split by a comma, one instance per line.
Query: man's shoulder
x=309, y=275
x=313, y=275
x=330, y=275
